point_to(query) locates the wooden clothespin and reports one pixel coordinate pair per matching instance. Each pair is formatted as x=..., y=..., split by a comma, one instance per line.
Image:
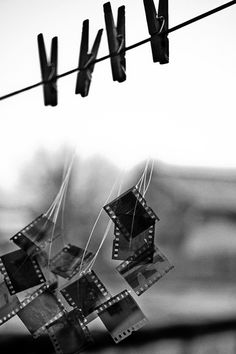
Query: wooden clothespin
x=158, y=23
x=84, y=76
x=116, y=41
x=49, y=70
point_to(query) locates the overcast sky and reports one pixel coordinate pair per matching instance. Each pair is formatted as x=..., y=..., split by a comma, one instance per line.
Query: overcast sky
x=181, y=113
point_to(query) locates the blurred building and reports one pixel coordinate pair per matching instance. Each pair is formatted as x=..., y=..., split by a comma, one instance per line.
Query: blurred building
x=197, y=208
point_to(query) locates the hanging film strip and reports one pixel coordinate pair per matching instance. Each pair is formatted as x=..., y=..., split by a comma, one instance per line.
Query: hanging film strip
x=67, y=262
x=20, y=271
x=121, y=316
x=131, y=214
x=33, y=238
x=145, y=268
x=87, y=293
x=123, y=248
x=43, y=309
x=8, y=304
x=68, y=334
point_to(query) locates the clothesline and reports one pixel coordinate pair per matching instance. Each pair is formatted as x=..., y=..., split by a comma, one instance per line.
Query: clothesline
x=135, y=45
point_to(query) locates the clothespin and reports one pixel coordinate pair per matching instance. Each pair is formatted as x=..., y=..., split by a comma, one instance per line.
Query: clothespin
x=158, y=23
x=116, y=41
x=48, y=70
x=84, y=76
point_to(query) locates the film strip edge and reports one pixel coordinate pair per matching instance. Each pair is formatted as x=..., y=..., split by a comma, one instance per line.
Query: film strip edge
x=112, y=301
x=128, y=331
x=7, y=279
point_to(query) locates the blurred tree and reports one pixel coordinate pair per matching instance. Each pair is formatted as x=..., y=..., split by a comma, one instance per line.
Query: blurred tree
x=90, y=183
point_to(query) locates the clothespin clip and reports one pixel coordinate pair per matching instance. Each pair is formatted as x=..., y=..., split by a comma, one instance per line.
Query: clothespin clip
x=48, y=70
x=116, y=41
x=158, y=23
x=84, y=76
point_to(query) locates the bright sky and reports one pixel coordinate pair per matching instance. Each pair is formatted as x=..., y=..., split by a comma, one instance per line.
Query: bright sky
x=181, y=113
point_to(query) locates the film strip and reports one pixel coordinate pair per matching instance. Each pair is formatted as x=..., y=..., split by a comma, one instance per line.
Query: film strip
x=42, y=258
x=54, y=341
x=33, y=237
x=68, y=334
x=20, y=271
x=26, y=244
x=121, y=316
x=6, y=299
x=130, y=213
x=122, y=248
x=67, y=262
x=145, y=268
x=87, y=293
x=40, y=310
x=8, y=304
x=50, y=277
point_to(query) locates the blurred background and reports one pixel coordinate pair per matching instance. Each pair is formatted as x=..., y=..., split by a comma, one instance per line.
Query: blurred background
x=182, y=115
x=193, y=308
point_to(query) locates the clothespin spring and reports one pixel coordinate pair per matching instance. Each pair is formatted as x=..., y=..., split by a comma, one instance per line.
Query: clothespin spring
x=161, y=18
x=52, y=69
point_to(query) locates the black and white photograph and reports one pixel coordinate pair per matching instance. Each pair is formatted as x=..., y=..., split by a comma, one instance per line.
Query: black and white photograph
x=118, y=177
